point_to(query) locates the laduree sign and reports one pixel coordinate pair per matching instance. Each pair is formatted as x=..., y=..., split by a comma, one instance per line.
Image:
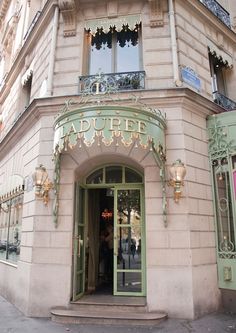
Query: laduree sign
x=109, y=124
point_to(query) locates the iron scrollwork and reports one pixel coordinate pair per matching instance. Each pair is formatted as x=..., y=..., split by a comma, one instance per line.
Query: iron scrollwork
x=112, y=82
x=218, y=11
x=224, y=101
x=226, y=249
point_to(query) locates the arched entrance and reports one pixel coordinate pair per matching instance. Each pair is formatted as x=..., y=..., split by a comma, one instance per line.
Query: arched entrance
x=109, y=242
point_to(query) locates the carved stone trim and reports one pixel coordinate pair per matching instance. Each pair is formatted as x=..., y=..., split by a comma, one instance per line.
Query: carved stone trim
x=112, y=9
x=3, y=9
x=68, y=11
x=156, y=13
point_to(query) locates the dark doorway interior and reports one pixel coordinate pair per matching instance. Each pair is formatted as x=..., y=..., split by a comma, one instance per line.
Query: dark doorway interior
x=99, y=249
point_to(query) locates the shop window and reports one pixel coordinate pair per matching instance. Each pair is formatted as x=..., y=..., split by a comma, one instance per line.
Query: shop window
x=114, y=51
x=10, y=228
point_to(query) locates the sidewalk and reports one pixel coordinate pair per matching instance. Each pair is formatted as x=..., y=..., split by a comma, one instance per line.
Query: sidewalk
x=12, y=321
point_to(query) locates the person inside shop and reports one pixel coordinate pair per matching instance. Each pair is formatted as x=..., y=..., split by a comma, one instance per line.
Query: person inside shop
x=108, y=238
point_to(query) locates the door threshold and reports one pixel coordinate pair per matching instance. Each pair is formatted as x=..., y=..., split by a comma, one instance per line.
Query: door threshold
x=111, y=300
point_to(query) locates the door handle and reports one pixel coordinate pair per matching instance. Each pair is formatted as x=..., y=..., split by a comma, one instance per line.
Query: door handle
x=80, y=243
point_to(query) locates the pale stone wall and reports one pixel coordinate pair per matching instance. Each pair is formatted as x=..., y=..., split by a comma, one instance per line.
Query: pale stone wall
x=12, y=98
x=193, y=32
x=17, y=288
x=45, y=255
x=181, y=259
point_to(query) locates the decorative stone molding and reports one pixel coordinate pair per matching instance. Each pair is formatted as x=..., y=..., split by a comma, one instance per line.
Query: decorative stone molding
x=112, y=9
x=68, y=11
x=3, y=9
x=156, y=13
x=9, y=37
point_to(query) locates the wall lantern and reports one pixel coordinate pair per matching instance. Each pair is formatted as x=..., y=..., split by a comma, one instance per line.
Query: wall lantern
x=177, y=173
x=42, y=183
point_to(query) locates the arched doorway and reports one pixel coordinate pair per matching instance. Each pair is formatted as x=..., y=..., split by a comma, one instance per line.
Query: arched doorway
x=109, y=233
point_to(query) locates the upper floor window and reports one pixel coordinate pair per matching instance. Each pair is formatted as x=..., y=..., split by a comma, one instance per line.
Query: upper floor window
x=221, y=77
x=114, y=47
x=113, y=55
x=115, y=51
x=217, y=68
x=25, y=92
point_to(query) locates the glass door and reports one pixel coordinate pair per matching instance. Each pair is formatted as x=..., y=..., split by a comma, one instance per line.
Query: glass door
x=78, y=243
x=129, y=272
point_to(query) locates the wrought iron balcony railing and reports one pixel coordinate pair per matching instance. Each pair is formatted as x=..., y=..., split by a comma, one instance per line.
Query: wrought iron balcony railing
x=218, y=11
x=112, y=82
x=224, y=101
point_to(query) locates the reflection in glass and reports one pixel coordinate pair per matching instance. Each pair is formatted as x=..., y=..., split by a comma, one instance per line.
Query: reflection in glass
x=127, y=51
x=128, y=206
x=132, y=176
x=10, y=228
x=129, y=248
x=114, y=174
x=100, y=53
x=96, y=177
x=114, y=51
x=129, y=282
x=128, y=241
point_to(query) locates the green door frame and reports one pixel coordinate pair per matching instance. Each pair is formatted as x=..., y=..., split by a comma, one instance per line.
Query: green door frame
x=80, y=218
x=80, y=224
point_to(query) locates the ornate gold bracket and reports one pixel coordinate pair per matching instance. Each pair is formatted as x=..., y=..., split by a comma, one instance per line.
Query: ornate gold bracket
x=68, y=11
x=156, y=13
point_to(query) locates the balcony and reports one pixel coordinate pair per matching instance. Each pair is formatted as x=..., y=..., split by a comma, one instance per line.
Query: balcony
x=225, y=102
x=218, y=11
x=112, y=82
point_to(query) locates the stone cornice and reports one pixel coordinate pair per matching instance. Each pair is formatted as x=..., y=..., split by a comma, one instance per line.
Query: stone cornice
x=27, y=47
x=161, y=99
x=211, y=19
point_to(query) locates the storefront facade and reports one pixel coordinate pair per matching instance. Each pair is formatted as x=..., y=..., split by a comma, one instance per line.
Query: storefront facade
x=87, y=202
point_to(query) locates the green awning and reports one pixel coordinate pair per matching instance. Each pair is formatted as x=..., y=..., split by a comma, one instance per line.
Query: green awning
x=109, y=124
x=219, y=53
